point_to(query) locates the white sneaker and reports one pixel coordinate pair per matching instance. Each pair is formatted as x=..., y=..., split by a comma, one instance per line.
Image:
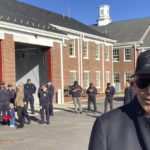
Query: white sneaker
x=12, y=126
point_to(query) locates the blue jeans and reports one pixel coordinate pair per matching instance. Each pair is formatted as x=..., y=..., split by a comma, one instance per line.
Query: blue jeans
x=12, y=121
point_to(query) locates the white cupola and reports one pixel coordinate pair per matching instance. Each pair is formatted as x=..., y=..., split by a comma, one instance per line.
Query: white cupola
x=104, y=17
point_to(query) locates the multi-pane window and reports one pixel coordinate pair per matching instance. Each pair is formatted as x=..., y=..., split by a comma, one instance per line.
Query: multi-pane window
x=86, y=79
x=128, y=76
x=72, y=48
x=127, y=54
x=72, y=77
x=107, y=77
x=98, y=79
x=97, y=52
x=116, y=55
x=116, y=78
x=85, y=49
x=107, y=53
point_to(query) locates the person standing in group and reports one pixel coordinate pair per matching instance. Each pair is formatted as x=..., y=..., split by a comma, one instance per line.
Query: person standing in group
x=30, y=90
x=51, y=91
x=19, y=103
x=4, y=100
x=110, y=91
x=128, y=94
x=92, y=91
x=11, y=114
x=11, y=93
x=76, y=94
x=44, y=102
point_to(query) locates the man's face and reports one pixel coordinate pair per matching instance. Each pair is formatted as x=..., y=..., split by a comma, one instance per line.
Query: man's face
x=143, y=93
x=29, y=82
x=127, y=84
x=49, y=83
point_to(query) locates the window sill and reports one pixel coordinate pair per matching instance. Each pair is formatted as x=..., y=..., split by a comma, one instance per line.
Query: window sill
x=72, y=56
x=127, y=60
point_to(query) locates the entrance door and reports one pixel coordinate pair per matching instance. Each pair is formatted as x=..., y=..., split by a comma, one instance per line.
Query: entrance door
x=31, y=64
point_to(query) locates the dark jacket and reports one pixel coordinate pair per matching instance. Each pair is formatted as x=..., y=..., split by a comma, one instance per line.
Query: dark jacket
x=12, y=95
x=11, y=113
x=4, y=97
x=29, y=90
x=93, y=93
x=128, y=95
x=111, y=93
x=125, y=128
x=78, y=92
x=51, y=90
x=43, y=96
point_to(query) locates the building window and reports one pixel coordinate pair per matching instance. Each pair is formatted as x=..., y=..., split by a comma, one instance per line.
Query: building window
x=72, y=48
x=72, y=77
x=116, y=78
x=86, y=79
x=107, y=53
x=85, y=49
x=115, y=55
x=127, y=54
x=107, y=77
x=127, y=77
x=97, y=52
x=98, y=79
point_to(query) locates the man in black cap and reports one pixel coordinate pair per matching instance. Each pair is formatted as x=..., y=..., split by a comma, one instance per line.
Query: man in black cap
x=51, y=91
x=30, y=89
x=43, y=95
x=92, y=91
x=127, y=127
x=110, y=91
x=11, y=93
x=4, y=100
x=76, y=94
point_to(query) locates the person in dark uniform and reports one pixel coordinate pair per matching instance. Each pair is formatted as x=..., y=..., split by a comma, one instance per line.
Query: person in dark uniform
x=128, y=94
x=11, y=93
x=110, y=91
x=76, y=94
x=92, y=91
x=30, y=90
x=4, y=100
x=51, y=91
x=44, y=102
x=127, y=127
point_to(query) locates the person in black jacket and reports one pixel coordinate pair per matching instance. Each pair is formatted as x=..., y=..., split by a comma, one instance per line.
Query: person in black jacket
x=92, y=91
x=110, y=91
x=51, y=91
x=43, y=95
x=76, y=94
x=11, y=93
x=127, y=127
x=30, y=90
x=128, y=94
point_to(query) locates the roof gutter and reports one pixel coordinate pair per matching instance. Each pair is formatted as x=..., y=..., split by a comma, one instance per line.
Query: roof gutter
x=128, y=43
x=83, y=33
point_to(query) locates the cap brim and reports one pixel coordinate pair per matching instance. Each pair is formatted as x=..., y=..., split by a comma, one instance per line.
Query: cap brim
x=141, y=72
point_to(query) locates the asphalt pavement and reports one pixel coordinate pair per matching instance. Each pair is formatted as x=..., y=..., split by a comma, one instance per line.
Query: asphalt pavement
x=67, y=130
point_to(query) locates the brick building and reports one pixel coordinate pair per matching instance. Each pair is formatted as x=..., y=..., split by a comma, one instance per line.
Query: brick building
x=133, y=37
x=39, y=44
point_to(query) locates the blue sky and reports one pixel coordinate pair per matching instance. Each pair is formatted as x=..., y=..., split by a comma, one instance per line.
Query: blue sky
x=86, y=11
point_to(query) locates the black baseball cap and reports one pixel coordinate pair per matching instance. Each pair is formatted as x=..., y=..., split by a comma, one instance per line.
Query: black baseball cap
x=143, y=64
x=42, y=84
x=2, y=83
x=48, y=81
x=28, y=80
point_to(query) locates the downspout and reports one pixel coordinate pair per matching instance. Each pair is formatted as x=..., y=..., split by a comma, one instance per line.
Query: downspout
x=62, y=73
x=135, y=54
x=79, y=61
x=103, y=66
x=112, y=67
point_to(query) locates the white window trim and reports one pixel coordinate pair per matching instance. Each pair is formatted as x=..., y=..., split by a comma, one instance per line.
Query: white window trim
x=125, y=76
x=73, y=56
x=108, y=52
x=99, y=79
x=87, y=50
x=87, y=71
x=113, y=76
x=113, y=55
x=105, y=75
x=99, y=52
x=124, y=54
x=73, y=71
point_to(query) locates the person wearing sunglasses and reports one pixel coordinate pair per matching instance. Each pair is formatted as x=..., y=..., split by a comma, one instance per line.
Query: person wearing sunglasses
x=127, y=127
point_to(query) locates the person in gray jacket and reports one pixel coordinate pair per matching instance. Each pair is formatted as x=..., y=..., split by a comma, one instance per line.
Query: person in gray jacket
x=127, y=127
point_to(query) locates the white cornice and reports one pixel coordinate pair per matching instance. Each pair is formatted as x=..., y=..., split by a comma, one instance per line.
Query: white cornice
x=145, y=34
x=83, y=33
x=127, y=43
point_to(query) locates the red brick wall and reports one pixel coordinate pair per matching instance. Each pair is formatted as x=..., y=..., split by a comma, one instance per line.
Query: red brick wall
x=8, y=60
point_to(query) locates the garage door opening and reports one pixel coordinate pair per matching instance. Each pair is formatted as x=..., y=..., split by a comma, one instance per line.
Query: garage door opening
x=30, y=64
